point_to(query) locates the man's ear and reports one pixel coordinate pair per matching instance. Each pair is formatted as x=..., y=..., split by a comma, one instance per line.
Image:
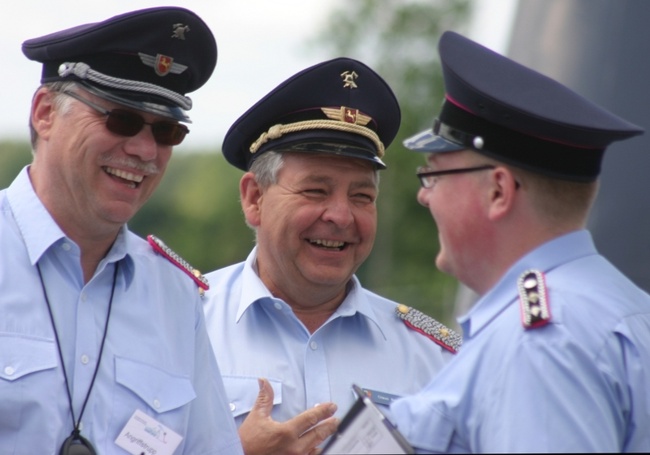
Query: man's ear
x=250, y=194
x=43, y=112
x=503, y=191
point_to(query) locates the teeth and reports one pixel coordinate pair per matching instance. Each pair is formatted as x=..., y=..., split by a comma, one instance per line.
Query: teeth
x=329, y=243
x=124, y=175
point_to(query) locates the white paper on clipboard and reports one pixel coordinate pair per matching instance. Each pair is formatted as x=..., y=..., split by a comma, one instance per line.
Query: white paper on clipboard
x=366, y=430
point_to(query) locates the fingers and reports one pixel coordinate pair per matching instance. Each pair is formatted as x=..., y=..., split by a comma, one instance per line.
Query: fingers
x=312, y=417
x=260, y=434
x=312, y=438
x=264, y=402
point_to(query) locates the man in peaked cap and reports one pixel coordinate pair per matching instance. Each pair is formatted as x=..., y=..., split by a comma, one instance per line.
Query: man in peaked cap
x=311, y=150
x=556, y=354
x=103, y=346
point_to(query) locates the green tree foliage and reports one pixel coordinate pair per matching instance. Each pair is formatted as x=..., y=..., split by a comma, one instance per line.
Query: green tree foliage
x=13, y=157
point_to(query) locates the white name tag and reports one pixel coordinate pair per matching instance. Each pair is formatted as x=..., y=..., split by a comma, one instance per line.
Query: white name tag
x=144, y=435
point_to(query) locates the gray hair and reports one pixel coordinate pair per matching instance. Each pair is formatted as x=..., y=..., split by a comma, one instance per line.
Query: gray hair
x=266, y=168
x=61, y=103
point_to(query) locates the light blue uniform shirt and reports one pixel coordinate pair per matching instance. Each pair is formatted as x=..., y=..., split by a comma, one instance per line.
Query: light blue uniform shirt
x=581, y=383
x=157, y=356
x=256, y=335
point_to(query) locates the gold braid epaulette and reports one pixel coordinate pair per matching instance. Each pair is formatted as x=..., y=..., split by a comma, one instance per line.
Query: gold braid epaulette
x=428, y=326
x=162, y=249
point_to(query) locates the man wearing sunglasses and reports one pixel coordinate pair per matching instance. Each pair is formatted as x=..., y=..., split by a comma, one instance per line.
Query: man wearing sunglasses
x=556, y=351
x=312, y=151
x=103, y=346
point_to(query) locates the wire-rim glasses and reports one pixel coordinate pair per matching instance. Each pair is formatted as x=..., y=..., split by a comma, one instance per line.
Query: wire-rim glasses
x=429, y=177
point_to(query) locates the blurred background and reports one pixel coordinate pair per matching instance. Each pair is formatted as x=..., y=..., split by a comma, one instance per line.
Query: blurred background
x=597, y=47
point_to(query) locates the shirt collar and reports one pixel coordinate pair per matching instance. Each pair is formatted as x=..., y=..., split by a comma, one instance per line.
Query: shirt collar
x=253, y=290
x=37, y=227
x=39, y=230
x=543, y=258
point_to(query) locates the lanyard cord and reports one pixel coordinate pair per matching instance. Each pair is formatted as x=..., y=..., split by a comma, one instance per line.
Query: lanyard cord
x=75, y=422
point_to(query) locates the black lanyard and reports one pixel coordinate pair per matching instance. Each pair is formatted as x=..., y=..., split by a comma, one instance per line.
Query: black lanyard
x=75, y=444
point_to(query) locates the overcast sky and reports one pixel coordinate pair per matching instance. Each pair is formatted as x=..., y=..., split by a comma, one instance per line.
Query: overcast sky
x=260, y=43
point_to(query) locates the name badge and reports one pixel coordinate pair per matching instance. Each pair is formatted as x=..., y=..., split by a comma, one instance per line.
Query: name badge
x=378, y=397
x=144, y=435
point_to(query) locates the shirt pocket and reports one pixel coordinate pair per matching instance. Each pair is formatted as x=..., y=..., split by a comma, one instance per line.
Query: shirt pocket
x=242, y=392
x=28, y=370
x=161, y=390
x=21, y=356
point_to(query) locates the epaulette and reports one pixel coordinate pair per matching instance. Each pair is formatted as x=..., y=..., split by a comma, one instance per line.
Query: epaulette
x=162, y=249
x=533, y=301
x=426, y=325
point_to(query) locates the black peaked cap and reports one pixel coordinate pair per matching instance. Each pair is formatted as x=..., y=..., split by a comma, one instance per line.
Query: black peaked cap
x=150, y=56
x=339, y=106
x=505, y=110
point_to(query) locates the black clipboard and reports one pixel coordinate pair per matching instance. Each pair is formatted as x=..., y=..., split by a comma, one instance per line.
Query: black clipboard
x=366, y=430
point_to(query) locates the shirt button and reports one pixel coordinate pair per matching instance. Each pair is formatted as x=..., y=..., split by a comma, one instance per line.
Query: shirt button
x=85, y=359
x=156, y=404
x=66, y=246
x=313, y=345
x=9, y=371
x=232, y=407
x=277, y=305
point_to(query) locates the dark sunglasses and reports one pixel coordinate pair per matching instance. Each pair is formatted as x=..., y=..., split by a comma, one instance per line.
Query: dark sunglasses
x=128, y=123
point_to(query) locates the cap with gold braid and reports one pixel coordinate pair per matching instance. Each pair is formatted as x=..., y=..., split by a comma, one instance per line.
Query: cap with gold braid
x=340, y=106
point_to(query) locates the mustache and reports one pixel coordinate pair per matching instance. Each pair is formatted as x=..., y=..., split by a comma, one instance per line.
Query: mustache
x=146, y=167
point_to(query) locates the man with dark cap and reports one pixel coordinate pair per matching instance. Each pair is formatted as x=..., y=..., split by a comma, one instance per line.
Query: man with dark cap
x=556, y=352
x=294, y=313
x=103, y=347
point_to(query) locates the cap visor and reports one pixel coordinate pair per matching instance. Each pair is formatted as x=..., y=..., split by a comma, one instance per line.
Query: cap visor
x=348, y=151
x=129, y=99
x=428, y=142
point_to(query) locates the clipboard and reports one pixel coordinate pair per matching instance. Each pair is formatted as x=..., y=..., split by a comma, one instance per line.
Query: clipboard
x=366, y=430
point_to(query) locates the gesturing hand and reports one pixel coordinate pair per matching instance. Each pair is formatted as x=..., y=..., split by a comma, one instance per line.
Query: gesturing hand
x=261, y=435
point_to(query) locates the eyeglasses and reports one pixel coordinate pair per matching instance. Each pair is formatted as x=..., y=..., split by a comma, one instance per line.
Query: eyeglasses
x=428, y=178
x=128, y=123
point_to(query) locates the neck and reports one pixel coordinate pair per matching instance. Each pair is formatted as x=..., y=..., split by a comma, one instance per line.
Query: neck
x=92, y=252
x=313, y=311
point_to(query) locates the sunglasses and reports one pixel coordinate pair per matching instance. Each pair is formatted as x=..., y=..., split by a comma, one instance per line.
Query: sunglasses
x=128, y=123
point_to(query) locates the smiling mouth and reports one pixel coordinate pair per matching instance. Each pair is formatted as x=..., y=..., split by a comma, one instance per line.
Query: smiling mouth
x=329, y=244
x=130, y=179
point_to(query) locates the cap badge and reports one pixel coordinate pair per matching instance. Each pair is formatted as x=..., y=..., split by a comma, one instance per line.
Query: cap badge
x=348, y=79
x=162, y=64
x=347, y=115
x=180, y=30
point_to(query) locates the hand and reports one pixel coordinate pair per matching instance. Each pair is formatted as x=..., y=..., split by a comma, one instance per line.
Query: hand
x=261, y=435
